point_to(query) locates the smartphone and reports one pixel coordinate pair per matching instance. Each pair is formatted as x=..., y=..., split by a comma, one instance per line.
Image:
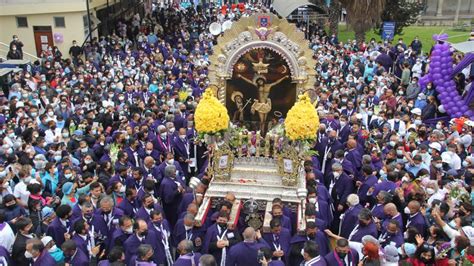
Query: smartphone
x=260, y=256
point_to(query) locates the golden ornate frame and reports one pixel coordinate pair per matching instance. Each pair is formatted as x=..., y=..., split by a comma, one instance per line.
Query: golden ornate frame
x=289, y=179
x=281, y=37
x=222, y=172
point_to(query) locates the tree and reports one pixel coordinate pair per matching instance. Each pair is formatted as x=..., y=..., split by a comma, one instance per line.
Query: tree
x=362, y=15
x=335, y=9
x=402, y=12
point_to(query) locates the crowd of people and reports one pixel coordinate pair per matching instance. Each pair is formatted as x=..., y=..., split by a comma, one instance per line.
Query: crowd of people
x=99, y=146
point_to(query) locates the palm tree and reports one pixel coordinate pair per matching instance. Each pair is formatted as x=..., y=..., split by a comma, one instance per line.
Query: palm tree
x=335, y=9
x=362, y=15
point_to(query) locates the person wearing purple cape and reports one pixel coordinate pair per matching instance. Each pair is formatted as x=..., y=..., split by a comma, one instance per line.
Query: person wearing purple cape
x=185, y=230
x=144, y=257
x=311, y=255
x=60, y=224
x=39, y=255
x=278, y=239
x=297, y=243
x=161, y=228
x=148, y=205
x=350, y=218
x=122, y=232
x=171, y=191
x=219, y=238
x=187, y=257
x=74, y=255
x=342, y=255
x=129, y=204
x=245, y=253
x=415, y=217
x=141, y=236
x=366, y=226
x=392, y=234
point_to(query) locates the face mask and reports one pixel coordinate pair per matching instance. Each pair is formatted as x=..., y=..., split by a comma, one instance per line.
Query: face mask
x=182, y=137
x=399, y=152
x=392, y=143
x=50, y=113
x=439, y=165
x=172, y=130
x=341, y=255
x=171, y=161
x=28, y=255
x=312, y=200
x=53, y=249
x=65, y=135
x=84, y=150
x=343, y=123
x=144, y=233
x=122, y=189
x=27, y=180
x=336, y=174
x=405, y=179
x=57, y=158
x=68, y=176
x=406, y=210
x=163, y=135
x=223, y=225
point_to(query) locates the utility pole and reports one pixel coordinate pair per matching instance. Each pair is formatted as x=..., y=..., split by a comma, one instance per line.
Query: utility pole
x=89, y=20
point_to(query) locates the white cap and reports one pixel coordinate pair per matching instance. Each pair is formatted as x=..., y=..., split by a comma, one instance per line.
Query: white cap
x=436, y=146
x=46, y=239
x=416, y=111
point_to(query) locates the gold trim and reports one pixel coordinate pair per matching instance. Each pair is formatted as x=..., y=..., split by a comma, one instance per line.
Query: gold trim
x=289, y=179
x=219, y=171
x=283, y=38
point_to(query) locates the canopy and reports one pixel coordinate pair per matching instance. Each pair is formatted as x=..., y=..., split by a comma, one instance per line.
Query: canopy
x=285, y=7
x=465, y=47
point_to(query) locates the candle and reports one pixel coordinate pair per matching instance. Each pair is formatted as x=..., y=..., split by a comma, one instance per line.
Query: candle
x=275, y=145
x=267, y=144
x=239, y=145
x=249, y=145
x=257, y=144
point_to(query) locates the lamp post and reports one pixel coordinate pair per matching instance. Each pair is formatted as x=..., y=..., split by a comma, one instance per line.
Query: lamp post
x=193, y=184
x=301, y=193
x=89, y=20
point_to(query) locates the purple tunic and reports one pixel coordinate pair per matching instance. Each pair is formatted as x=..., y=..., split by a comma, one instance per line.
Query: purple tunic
x=245, y=253
x=186, y=260
x=281, y=241
x=350, y=220
x=334, y=260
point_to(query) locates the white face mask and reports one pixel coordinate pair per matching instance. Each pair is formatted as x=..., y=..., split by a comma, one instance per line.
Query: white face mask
x=336, y=174
x=187, y=227
x=430, y=191
x=406, y=210
x=465, y=164
x=129, y=230
x=28, y=255
x=122, y=189
x=170, y=161
x=53, y=249
x=312, y=200
x=439, y=165
x=439, y=126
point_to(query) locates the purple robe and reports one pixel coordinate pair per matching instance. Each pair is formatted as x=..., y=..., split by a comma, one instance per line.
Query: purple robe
x=323, y=211
x=182, y=153
x=377, y=211
x=386, y=221
x=386, y=238
x=109, y=223
x=79, y=259
x=280, y=242
x=342, y=188
x=367, y=183
x=6, y=255
x=81, y=243
x=161, y=170
x=419, y=222
x=56, y=230
x=317, y=261
x=186, y=260
x=143, y=214
x=128, y=207
x=344, y=133
x=171, y=198
x=297, y=243
x=350, y=220
x=187, y=199
x=360, y=231
x=161, y=237
x=210, y=241
x=355, y=158
x=385, y=185
x=245, y=253
x=334, y=260
x=118, y=238
x=133, y=242
x=180, y=234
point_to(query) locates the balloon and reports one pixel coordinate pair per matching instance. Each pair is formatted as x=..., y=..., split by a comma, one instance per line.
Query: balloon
x=441, y=109
x=437, y=77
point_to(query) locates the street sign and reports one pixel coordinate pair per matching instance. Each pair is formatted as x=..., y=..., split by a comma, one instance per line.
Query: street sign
x=388, y=30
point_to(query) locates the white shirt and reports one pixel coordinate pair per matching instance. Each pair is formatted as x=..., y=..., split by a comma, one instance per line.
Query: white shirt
x=50, y=135
x=20, y=192
x=7, y=237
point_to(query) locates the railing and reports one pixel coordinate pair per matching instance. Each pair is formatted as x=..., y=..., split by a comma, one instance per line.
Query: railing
x=24, y=2
x=4, y=48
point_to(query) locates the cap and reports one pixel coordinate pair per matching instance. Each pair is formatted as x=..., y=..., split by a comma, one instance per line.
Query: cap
x=391, y=253
x=78, y=133
x=46, y=239
x=67, y=188
x=416, y=111
x=47, y=211
x=409, y=249
x=469, y=232
x=436, y=146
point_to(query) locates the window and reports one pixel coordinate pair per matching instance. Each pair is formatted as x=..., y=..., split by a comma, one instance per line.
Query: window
x=22, y=22
x=86, y=25
x=59, y=22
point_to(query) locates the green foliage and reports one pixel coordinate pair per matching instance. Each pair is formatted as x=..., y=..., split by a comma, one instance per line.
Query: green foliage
x=404, y=13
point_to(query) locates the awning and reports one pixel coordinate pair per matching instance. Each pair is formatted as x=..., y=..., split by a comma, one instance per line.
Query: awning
x=285, y=7
x=465, y=47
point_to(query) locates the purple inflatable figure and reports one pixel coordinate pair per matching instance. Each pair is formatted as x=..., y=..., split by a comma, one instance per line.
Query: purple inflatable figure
x=441, y=74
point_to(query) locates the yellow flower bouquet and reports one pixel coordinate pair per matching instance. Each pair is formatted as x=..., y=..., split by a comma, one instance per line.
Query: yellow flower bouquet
x=302, y=121
x=211, y=116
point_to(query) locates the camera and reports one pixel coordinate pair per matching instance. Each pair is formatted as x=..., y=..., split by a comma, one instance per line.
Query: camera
x=260, y=256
